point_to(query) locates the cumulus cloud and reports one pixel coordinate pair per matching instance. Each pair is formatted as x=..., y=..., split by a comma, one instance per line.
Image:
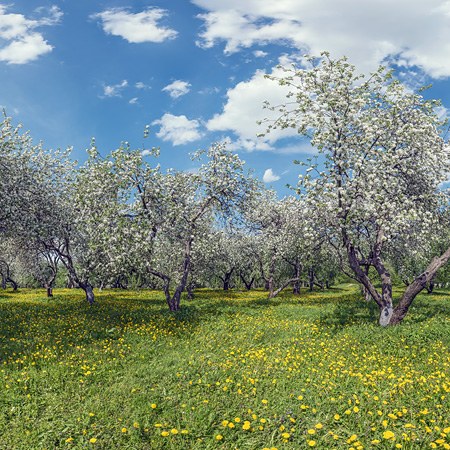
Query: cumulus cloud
x=22, y=42
x=260, y=54
x=269, y=176
x=114, y=90
x=177, y=88
x=136, y=27
x=244, y=107
x=410, y=32
x=178, y=130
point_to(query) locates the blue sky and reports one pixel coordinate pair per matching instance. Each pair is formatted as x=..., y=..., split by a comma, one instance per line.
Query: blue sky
x=194, y=70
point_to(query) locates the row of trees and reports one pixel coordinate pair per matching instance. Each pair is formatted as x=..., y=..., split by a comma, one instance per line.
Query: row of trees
x=371, y=208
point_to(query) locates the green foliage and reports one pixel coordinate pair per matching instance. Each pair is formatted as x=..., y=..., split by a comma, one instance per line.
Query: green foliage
x=296, y=372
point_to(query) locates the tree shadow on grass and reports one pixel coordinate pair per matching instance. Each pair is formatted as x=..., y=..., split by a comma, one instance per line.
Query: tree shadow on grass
x=67, y=317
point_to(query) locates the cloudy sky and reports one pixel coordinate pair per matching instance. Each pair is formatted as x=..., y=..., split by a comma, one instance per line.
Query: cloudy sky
x=194, y=70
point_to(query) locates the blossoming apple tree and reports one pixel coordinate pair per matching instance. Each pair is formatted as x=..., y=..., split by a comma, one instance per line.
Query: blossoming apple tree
x=384, y=159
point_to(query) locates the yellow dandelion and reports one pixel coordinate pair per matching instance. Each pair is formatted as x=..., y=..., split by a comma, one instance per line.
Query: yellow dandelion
x=388, y=435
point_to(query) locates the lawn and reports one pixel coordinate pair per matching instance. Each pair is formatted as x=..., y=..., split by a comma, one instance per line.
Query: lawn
x=230, y=371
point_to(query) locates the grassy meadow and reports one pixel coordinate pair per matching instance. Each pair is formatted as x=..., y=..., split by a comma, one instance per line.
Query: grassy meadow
x=230, y=371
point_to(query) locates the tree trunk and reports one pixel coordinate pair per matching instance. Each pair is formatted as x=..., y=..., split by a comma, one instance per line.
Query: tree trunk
x=418, y=285
x=273, y=294
x=270, y=281
x=430, y=286
x=13, y=283
x=173, y=302
x=89, y=291
x=190, y=291
x=311, y=278
x=248, y=284
x=70, y=283
x=297, y=267
x=226, y=280
x=49, y=291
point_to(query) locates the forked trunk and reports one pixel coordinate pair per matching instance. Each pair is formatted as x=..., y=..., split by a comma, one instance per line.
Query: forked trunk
x=226, y=280
x=248, y=284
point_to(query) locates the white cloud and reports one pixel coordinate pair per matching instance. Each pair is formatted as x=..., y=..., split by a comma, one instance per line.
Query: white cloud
x=269, y=176
x=244, y=107
x=178, y=129
x=260, y=54
x=177, y=88
x=133, y=101
x=411, y=32
x=136, y=28
x=442, y=112
x=114, y=90
x=141, y=85
x=24, y=44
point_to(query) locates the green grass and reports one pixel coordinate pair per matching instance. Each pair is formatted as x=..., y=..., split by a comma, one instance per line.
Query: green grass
x=286, y=373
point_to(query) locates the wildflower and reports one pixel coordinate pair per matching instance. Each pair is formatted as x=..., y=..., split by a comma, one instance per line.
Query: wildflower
x=164, y=433
x=174, y=431
x=311, y=431
x=388, y=435
x=311, y=443
x=285, y=435
x=70, y=439
x=93, y=440
x=219, y=437
x=124, y=430
x=153, y=405
x=246, y=425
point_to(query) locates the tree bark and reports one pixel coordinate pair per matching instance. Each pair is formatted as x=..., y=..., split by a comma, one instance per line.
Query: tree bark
x=173, y=301
x=226, y=280
x=418, y=285
x=311, y=278
x=13, y=283
x=83, y=284
x=248, y=284
x=273, y=294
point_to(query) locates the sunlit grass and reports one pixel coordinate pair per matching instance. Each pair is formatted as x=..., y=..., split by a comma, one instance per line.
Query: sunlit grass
x=231, y=370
